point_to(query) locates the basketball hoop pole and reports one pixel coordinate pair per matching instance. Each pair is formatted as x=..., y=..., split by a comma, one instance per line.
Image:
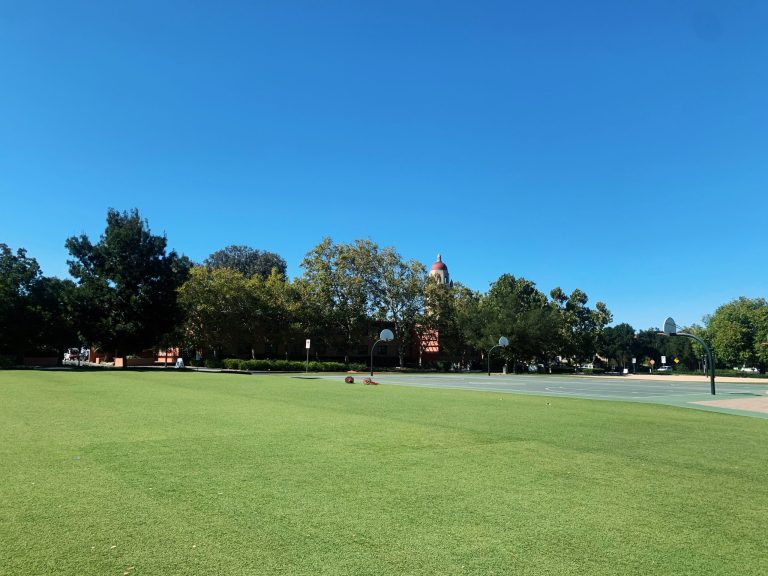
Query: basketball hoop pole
x=503, y=343
x=385, y=336
x=670, y=329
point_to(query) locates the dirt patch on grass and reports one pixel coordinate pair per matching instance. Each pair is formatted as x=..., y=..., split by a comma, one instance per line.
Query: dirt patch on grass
x=759, y=404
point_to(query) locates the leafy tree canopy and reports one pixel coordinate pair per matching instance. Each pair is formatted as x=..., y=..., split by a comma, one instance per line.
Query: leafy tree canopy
x=18, y=275
x=515, y=308
x=248, y=261
x=35, y=311
x=738, y=332
x=336, y=293
x=126, y=297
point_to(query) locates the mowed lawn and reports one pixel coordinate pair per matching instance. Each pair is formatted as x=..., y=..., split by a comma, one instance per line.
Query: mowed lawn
x=148, y=473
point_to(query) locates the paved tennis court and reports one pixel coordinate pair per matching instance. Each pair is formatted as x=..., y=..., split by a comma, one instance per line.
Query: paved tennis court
x=737, y=398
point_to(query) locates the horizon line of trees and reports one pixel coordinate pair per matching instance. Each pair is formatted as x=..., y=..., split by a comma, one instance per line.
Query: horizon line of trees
x=130, y=293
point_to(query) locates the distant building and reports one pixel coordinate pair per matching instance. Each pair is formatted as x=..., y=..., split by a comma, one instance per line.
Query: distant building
x=439, y=271
x=428, y=341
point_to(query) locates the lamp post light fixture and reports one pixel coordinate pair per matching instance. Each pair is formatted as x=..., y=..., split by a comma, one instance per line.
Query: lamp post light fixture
x=670, y=329
x=385, y=336
x=503, y=343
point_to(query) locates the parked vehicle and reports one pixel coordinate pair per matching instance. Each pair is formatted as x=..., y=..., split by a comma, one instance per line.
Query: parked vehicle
x=664, y=369
x=72, y=354
x=748, y=370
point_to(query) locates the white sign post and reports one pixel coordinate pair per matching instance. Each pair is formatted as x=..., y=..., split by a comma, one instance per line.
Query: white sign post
x=663, y=360
x=307, y=346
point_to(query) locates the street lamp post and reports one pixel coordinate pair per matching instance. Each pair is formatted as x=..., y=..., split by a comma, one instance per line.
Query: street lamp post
x=503, y=343
x=385, y=336
x=670, y=329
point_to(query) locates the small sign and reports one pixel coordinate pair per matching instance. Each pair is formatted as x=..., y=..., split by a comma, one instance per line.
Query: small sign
x=634, y=360
x=653, y=361
x=307, y=346
x=677, y=360
x=663, y=359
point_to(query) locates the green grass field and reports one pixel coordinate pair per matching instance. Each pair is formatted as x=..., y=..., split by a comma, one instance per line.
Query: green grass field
x=146, y=473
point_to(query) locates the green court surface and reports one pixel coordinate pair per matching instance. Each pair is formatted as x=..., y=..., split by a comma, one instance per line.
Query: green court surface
x=184, y=473
x=665, y=390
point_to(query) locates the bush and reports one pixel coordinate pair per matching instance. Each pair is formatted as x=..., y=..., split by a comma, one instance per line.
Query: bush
x=233, y=364
x=6, y=362
x=288, y=366
x=562, y=370
x=720, y=372
x=736, y=373
x=593, y=371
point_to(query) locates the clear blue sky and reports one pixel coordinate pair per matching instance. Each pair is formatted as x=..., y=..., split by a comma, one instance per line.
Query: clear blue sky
x=616, y=147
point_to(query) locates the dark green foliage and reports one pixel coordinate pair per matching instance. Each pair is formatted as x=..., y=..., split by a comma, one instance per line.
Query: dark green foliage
x=580, y=325
x=50, y=323
x=35, y=311
x=562, y=369
x=649, y=344
x=289, y=366
x=335, y=294
x=738, y=332
x=450, y=310
x=515, y=308
x=18, y=275
x=126, y=297
x=592, y=371
x=248, y=261
x=725, y=372
x=615, y=343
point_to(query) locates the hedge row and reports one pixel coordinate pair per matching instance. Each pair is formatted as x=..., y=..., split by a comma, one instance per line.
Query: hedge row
x=592, y=371
x=289, y=366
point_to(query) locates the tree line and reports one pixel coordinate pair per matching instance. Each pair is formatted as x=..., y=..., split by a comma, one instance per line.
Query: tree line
x=129, y=292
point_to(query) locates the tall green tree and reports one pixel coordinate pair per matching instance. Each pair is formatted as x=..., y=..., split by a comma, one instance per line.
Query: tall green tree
x=216, y=307
x=50, y=325
x=336, y=293
x=738, y=331
x=580, y=325
x=271, y=310
x=515, y=308
x=248, y=261
x=127, y=284
x=615, y=343
x=35, y=310
x=397, y=293
x=18, y=276
x=449, y=319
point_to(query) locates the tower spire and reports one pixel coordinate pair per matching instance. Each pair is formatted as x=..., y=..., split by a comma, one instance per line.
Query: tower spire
x=439, y=271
